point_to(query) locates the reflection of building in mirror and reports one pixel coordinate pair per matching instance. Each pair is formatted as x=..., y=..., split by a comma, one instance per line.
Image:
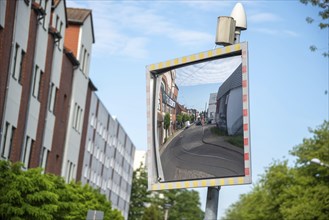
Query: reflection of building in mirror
x=212, y=108
x=166, y=109
x=229, y=104
x=205, y=144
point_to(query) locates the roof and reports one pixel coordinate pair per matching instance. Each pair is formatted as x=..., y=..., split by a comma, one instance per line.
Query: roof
x=181, y=107
x=234, y=81
x=78, y=16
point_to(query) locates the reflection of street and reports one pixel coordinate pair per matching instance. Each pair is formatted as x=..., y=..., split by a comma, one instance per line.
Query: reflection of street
x=197, y=153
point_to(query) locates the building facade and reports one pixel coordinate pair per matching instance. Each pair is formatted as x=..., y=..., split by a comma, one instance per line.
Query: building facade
x=46, y=92
x=107, y=162
x=167, y=104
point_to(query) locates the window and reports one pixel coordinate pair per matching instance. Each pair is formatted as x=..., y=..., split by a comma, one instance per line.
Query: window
x=85, y=63
x=21, y=67
x=74, y=115
x=36, y=82
x=5, y=140
x=2, y=13
x=26, y=153
x=81, y=57
x=15, y=62
x=89, y=146
x=77, y=118
x=86, y=171
x=60, y=32
x=44, y=157
x=44, y=20
x=84, y=60
x=92, y=120
x=52, y=97
x=80, y=121
x=69, y=171
x=56, y=23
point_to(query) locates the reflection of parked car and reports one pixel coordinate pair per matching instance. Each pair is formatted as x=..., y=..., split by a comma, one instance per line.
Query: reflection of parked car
x=198, y=123
x=187, y=124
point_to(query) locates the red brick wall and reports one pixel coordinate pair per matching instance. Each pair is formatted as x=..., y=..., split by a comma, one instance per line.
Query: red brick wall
x=43, y=98
x=84, y=133
x=72, y=38
x=62, y=108
x=27, y=74
x=6, y=37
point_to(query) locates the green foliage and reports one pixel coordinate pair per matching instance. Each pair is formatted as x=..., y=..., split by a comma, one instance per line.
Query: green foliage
x=26, y=194
x=152, y=213
x=145, y=205
x=166, y=121
x=299, y=192
x=185, y=204
x=179, y=118
x=323, y=6
x=192, y=118
x=186, y=118
x=32, y=195
x=139, y=195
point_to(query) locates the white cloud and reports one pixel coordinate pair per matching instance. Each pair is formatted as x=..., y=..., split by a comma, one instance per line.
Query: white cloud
x=216, y=71
x=208, y=5
x=276, y=32
x=126, y=28
x=264, y=17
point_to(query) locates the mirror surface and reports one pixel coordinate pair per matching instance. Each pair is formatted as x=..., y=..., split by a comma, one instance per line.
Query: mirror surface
x=199, y=121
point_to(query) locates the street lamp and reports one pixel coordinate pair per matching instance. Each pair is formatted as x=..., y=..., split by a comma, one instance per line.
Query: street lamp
x=318, y=161
x=166, y=208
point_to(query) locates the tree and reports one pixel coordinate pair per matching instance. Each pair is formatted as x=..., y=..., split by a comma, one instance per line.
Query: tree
x=283, y=192
x=139, y=194
x=152, y=213
x=166, y=122
x=25, y=194
x=32, y=195
x=323, y=14
x=179, y=118
x=186, y=118
x=145, y=205
x=192, y=118
x=185, y=204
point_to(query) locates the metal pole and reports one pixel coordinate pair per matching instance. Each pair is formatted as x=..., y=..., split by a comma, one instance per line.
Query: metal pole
x=212, y=203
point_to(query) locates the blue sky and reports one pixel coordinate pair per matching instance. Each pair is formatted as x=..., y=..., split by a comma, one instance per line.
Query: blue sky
x=287, y=81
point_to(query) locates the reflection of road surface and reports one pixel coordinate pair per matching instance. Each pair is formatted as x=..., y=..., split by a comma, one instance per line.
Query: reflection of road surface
x=197, y=153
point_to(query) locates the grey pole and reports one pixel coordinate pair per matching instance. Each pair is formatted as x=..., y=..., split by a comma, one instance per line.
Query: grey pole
x=212, y=203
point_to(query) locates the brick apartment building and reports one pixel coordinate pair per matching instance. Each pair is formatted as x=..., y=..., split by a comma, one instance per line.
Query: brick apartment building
x=47, y=100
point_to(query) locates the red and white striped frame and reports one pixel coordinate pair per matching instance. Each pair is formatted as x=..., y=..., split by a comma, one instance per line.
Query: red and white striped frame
x=153, y=184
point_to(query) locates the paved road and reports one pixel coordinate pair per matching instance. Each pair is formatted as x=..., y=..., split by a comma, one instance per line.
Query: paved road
x=197, y=153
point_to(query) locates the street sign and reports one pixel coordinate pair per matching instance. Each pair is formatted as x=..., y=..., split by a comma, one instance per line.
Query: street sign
x=209, y=92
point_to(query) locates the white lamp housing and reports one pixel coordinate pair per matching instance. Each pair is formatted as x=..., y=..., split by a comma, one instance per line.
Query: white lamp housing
x=239, y=15
x=225, y=31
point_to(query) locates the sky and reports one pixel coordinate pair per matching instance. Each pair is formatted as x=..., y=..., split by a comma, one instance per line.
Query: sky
x=287, y=81
x=196, y=82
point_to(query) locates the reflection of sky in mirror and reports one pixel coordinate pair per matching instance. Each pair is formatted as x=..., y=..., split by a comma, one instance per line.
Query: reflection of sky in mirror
x=196, y=82
x=216, y=71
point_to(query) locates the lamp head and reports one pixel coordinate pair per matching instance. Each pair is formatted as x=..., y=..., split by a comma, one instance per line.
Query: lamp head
x=239, y=15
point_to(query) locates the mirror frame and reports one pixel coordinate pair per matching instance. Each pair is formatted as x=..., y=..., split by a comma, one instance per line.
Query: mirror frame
x=153, y=157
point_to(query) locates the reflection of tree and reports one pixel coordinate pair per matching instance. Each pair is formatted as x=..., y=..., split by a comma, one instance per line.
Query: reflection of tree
x=185, y=118
x=179, y=119
x=166, y=123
